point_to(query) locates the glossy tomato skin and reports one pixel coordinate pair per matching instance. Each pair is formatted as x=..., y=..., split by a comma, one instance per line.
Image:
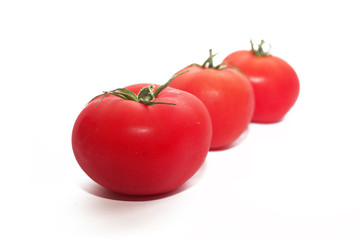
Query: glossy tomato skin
x=228, y=96
x=275, y=83
x=135, y=149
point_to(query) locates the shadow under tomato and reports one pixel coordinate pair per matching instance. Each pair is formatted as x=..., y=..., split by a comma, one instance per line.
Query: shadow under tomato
x=99, y=191
x=234, y=143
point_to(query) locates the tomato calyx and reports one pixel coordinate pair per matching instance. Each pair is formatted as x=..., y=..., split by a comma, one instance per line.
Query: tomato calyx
x=209, y=63
x=146, y=94
x=259, y=50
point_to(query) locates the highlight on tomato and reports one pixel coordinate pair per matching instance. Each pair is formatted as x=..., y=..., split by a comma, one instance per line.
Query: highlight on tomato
x=275, y=83
x=227, y=94
x=142, y=139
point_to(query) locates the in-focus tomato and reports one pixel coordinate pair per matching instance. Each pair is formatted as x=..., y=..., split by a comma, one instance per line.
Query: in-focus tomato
x=275, y=83
x=227, y=94
x=143, y=144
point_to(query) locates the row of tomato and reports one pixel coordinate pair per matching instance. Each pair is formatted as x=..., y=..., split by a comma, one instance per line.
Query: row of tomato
x=148, y=139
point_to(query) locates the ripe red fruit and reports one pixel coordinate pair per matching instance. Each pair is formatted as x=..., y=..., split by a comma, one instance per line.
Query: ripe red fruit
x=275, y=83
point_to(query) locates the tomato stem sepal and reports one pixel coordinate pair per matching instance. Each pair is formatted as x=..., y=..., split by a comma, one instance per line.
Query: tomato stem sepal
x=259, y=49
x=209, y=62
x=146, y=94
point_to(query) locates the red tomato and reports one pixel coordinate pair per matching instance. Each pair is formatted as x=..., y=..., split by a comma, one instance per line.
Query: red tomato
x=226, y=93
x=275, y=83
x=137, y=149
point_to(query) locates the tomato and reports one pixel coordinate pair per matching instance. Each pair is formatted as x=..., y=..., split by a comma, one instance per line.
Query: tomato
x=142, y=145
x=227, y=94
x=275, y=83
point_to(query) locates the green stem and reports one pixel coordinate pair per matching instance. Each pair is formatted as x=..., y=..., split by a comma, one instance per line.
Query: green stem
x=260, y=50
x=159, y=89
x=209, y=63
x=146, y=94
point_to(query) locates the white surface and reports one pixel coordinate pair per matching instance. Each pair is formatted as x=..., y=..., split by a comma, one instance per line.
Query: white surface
x=298, y=179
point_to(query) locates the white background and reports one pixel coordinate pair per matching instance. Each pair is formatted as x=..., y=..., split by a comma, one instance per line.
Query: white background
x=298, y=179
